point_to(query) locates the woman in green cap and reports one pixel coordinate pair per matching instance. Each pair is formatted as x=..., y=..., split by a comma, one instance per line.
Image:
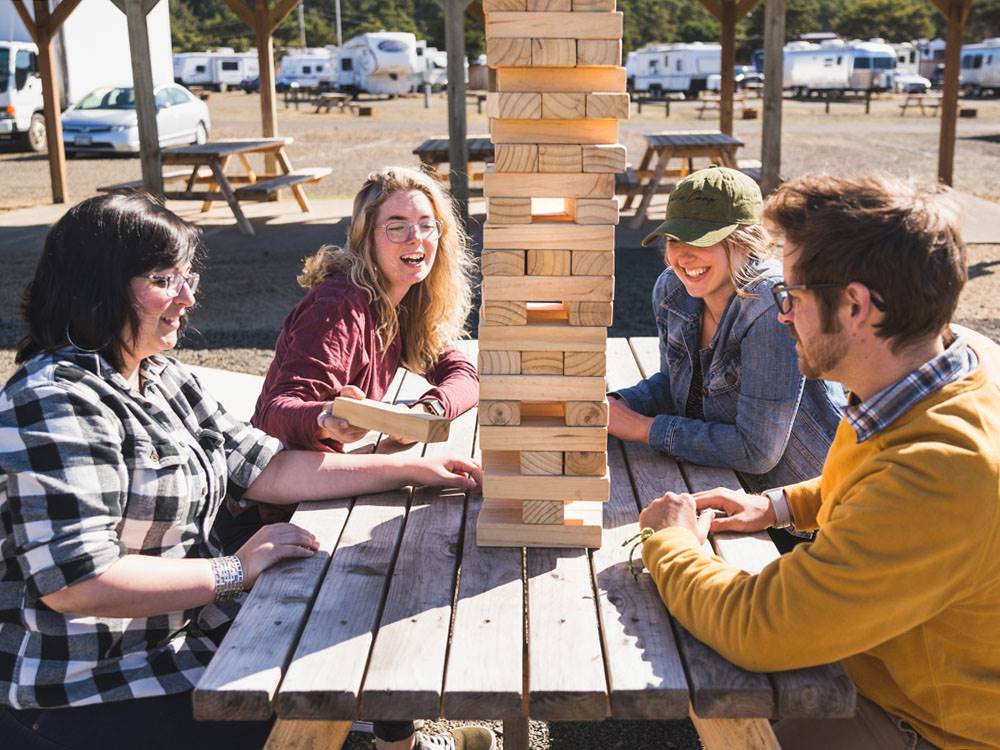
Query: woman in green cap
x=729, y=392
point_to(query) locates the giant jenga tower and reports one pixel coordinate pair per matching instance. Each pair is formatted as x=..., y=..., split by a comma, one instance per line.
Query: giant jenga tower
x=548, y=269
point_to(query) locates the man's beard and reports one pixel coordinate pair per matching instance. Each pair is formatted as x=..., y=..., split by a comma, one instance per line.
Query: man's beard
x=821, y=356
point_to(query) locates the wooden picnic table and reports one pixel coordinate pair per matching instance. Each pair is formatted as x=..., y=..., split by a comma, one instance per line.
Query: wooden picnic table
x=372, y=625
x=921, y=101
x=327, y=100
x=434, y=152
x=217, y=156
x=685, y=145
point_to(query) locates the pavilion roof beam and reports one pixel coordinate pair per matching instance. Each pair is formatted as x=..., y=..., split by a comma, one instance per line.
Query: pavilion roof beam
x=957, y=13
x=26, y=19
x=280, y=12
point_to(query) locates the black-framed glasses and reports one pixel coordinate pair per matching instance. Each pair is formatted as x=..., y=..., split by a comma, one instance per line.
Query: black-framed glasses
x=171, y=283
x=401, y=231
x=784, y=301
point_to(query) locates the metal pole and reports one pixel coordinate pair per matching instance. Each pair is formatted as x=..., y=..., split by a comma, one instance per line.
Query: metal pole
x=340, y=36
x=302, y=24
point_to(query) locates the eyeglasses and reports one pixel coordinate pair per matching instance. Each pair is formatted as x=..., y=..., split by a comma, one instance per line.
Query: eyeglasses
x=400, y=232
x=171, y=283
x=784, y=301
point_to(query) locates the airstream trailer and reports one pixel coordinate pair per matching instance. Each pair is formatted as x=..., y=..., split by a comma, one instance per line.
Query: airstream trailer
x=981, y=67
x=836, y=65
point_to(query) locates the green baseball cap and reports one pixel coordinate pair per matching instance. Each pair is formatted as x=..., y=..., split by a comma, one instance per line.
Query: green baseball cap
x=707, y=206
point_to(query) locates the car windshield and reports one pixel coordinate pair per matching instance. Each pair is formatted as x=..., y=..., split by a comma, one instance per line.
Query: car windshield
x=4, y=69
x=109, y=98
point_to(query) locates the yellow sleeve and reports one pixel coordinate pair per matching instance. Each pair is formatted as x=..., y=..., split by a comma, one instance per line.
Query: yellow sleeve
x=804, y=500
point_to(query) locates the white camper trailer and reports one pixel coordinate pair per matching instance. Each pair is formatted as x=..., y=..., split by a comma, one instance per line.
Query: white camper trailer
x=931, y=56
x=981, y=67
x=379, y=62
x=836, y=65
x=219, y=69
x=663, y=68
x=432, y=67
x=308, y=68
x=90, y=50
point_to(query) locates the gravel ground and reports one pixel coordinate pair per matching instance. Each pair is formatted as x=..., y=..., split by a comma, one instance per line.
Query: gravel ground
x=249, y=282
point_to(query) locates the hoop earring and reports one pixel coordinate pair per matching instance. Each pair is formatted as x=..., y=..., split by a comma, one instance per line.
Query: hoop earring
x=80, y=348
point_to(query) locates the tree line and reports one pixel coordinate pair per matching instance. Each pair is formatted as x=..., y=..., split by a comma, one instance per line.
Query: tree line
x=203, y=24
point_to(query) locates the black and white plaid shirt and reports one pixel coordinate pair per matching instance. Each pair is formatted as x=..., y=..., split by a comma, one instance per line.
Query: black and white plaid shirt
x=89, y=472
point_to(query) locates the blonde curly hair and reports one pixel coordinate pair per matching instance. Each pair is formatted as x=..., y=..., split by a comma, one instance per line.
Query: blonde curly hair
x=434, y=311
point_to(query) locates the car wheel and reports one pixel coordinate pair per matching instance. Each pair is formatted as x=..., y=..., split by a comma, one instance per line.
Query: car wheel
x=35, y=137
x=200, y=134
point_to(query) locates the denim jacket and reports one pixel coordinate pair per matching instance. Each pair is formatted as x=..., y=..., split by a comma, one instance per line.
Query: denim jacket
x=762, y=418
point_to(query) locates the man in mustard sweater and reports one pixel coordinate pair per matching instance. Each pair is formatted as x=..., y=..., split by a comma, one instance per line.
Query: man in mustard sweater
x=902, y=583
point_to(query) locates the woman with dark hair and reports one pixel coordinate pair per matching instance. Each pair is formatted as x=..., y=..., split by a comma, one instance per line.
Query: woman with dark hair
x=114, y=464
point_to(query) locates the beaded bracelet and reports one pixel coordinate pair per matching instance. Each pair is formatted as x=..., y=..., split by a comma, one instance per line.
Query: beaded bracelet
x=228, y=575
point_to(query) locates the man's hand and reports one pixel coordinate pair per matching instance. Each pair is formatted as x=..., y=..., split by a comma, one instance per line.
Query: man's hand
x=335, y=428
x=676, y=510
x=741, y=512
x=627, y=424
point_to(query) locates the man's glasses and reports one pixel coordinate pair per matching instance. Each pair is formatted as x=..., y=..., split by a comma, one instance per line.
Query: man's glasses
x=784, y=301
x=171, y=283
x=400, y=232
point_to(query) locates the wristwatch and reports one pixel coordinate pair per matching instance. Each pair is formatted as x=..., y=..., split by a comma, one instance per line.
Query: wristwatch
x=433, y=406
x=779, y=502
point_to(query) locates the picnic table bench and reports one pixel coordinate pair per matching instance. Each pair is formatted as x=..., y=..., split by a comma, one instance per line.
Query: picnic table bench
x=434, y=152
x=477, y=98
x=400, y=614
x=923, y=102
x=713, y=102
x=326, y=100
x=664, y=100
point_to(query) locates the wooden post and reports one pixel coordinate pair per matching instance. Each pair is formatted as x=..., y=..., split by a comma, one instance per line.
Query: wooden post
x=727, y=71
x=50, y=99
x=774, y=42
x=145, y=97
x=265, y=57
x=458, y=147
x=956, y=11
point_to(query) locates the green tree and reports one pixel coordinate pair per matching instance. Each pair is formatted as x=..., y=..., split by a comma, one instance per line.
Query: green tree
x=893, y=20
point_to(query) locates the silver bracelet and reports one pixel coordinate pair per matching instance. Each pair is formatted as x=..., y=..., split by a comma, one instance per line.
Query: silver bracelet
x=228, y=577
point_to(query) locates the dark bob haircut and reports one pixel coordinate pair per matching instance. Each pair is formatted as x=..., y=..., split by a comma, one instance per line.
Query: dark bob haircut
x=81, y=285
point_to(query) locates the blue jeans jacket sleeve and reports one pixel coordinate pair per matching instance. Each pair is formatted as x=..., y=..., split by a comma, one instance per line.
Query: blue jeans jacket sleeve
x=753, y=439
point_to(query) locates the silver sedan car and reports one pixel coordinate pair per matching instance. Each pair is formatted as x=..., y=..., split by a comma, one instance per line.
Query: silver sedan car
x=105, y=120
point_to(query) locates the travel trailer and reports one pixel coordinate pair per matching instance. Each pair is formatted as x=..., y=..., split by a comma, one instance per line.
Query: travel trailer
x=836, y=65
x=432, y=67
x=658, y=69
x=379, y=62
x=219, y=69
x=309, y=68
x=931, y=56
x=90, y=50
x=981, y=67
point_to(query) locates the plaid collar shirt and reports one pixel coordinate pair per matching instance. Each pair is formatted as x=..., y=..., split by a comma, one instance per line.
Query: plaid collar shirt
x=870, y=417
x=89, y=472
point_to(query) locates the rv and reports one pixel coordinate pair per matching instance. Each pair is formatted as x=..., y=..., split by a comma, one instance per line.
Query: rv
x=663, y=68
x=931, y=57
x=90, y=50
x=432, y=67
x=379, y=62
x=220, y=69
x=981, y=67
x=308, y=68
x=836, y=65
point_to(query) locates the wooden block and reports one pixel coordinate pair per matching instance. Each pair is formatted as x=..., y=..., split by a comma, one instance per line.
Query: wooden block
x=554, y=131
x=549, y=262
x=520, y=106
x=511, y=485
x=586, y=413
x=500, y=363
x=562, y=106
x=544, y=79
x=595, y=211
x=392, y=420
x=559, y=157
x=542, y=363
x=542, y=6
x=591, y=6
x=599, y=52
x=593, y=263
x=555, y=52
x=601, y=105
x=590, y=313
x=515, y=157
x=543, y=338
x=604, y=158
x=494, y=6
x=507, y=52
x=540, y=388
x=503, y=313
x=584, y=363
x=500, y=525
x=538, y=463
x=585, y=290
x=500, y=412
x=503, y=262
x=554, y=25
x=555, y=236
x=540, y=185
x=542, y=511
x=508, y=210
x=586, y=463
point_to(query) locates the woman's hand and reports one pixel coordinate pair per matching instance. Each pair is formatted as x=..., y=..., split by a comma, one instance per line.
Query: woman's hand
x=271, y=544
x=627, y=424
x=445, y=471
x=335, y=428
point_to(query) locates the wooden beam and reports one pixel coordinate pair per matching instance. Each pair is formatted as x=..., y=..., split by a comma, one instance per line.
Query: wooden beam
x=745, y=6
x=148, y=5
x=280, y=12
x=120, y=4
x=714, y=7
x=242, y=11
x=145, y=97
x=957, y=12
x=60, y=14
x=458, y=147
x=774, y=41
x=50, y=99
x=27, y=20
x=727, y=86
x=260, y=23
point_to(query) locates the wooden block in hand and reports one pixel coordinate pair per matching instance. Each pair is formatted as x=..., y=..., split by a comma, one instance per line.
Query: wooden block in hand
x=392, y=420
x=537, y=463
x=542, y=511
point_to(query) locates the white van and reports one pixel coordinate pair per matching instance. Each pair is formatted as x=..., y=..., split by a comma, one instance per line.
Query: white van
x=658, y=69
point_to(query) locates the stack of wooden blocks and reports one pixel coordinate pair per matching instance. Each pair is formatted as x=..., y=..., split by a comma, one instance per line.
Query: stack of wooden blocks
x=548, y=269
